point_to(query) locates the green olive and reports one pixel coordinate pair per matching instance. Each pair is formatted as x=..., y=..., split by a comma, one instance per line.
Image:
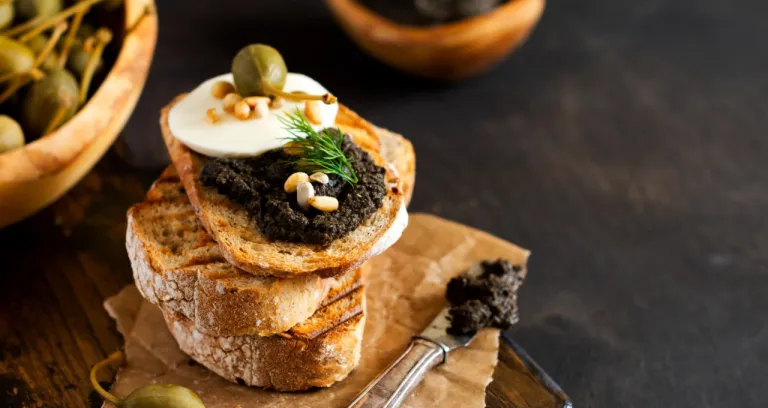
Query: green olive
x=28, y=9
x=78, y=60
x=6, y=13
x=14, y=56
x=11, y=135
x=256, y=68
x=162, y=396
x=49, y=103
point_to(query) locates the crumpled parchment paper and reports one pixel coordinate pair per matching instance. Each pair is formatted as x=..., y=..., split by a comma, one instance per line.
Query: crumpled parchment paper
x=405, y=290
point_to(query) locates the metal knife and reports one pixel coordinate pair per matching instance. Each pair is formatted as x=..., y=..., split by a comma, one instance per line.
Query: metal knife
x=426, y=351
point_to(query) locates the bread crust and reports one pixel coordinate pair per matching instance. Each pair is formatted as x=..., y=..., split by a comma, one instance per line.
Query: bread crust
x=293, y=361
x=240, y=239
x=176, y=264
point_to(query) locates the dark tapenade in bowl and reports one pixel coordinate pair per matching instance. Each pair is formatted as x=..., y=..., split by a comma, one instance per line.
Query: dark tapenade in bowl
x=258, y=185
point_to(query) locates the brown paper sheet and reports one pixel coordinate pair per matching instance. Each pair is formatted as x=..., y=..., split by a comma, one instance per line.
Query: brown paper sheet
x=404, y=292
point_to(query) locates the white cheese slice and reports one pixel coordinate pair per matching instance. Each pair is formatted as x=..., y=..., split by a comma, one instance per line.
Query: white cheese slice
x=231, y=137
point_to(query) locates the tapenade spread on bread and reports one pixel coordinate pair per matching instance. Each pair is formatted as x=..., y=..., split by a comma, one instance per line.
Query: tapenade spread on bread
x=485, y=296
x=258, y=184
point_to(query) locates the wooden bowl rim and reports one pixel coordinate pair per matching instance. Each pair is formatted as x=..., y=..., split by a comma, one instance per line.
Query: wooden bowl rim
x=68, y=149
x=351, y=11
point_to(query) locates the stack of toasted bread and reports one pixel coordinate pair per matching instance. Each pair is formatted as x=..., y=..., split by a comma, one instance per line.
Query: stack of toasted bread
x=277, y=315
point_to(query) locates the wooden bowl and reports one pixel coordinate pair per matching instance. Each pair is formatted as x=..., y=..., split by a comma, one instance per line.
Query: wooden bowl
x=42, y=171
x=449, y=51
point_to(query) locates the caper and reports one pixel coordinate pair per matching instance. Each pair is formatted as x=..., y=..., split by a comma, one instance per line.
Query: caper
x=28, y=9
x=162, y=396
x=11, y=135
x=78, y=60
x=49, y=102
x=6, y=13
x=259, y=70
x=14, y=56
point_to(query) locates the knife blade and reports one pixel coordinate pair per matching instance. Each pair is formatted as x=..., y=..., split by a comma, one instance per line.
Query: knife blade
x=427, y=350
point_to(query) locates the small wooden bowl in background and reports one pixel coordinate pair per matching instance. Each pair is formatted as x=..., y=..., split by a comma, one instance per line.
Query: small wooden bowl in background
x=449, y=51
x=37, y=174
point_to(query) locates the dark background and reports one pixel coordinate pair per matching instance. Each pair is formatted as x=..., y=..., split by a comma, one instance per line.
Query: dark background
x=624, y=144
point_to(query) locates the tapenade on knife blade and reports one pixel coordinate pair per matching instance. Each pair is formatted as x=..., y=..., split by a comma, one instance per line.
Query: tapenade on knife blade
x=257, y=184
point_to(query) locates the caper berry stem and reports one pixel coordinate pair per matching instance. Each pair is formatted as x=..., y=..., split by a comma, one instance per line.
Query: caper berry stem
x=20, y=28
x=70, y=38
x=33, y=73
x=103, y=37
x=58, y=117
x=116, y=357
x=272, y=91
x=45, y=24
x=57, y=32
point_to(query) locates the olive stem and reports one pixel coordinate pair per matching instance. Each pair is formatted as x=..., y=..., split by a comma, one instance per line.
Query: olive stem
x=115, y=357
x=64, y=14
x=103, y=37
x=270, y=90
x=65, y=47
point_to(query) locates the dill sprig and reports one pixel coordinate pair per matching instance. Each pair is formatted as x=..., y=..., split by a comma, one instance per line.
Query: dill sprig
x=317, y=151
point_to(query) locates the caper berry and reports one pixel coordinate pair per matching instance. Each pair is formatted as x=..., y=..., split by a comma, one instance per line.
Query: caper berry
x=14, y=56
x=11, y=135
x=28, y=9
x=256, y=68
x=6, y=13
x=78, y=60
x=259, y=70
x=49, y=102
x=162, y=396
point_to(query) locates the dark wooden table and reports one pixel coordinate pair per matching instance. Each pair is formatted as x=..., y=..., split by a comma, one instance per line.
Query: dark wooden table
x=624, y=144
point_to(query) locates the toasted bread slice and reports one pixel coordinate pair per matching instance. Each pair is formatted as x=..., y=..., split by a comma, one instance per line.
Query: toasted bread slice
x=316, y=353
x=243, y=244
x=176, y=264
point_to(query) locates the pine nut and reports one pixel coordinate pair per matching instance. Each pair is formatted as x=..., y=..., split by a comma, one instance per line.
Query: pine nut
x=261, y=108
x=277, y=103
x=253, y=100
x=312, y=112
x=320, y=177
x=324, y=203
x=292, y=182
x=291, y=148
x=221, y=89
x=212, y=116
x=229, y=102
x=242, y=110
x=304, y=193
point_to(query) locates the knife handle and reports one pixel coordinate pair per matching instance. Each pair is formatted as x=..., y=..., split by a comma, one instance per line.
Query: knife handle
x=389, y=389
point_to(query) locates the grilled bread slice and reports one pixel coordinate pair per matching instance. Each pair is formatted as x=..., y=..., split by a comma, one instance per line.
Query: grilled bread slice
x=318, y=352
x=240, y=239
x=176, y=264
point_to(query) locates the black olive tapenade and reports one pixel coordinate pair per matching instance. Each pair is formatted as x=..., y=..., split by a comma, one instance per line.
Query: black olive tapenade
x=257, y=184
x=488, y=299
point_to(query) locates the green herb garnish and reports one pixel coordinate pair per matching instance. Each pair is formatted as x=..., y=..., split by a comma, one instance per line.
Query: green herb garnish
x=317, y=151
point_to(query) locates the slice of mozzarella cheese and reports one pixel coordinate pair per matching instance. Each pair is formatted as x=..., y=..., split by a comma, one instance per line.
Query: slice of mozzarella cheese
x=231, y=137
